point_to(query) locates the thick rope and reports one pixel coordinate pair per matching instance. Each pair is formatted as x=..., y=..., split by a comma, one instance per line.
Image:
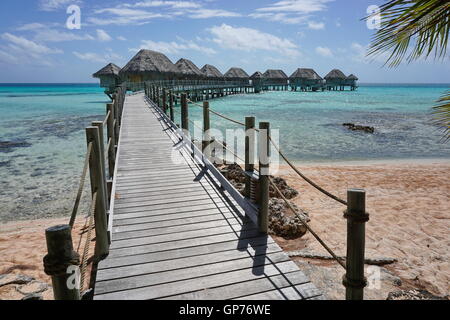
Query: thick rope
x=81, y=185
x=87, y=242
x=306, y=225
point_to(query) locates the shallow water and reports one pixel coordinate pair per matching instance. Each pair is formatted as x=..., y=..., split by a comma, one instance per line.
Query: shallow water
x=43, y=126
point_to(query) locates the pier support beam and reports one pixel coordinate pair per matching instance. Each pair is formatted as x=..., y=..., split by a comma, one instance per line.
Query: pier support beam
x=264, y=168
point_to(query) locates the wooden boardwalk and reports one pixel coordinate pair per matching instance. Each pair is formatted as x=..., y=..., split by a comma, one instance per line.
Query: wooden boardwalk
x=176, y=234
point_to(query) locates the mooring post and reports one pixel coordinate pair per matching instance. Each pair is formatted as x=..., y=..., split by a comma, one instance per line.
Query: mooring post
x=172, y=117
x=111, y=140
x=98, y=185
x=184, y=112
x=354, y=280
x=206, y=126
x=62, y=263
x=250, y=135
x=264, y=167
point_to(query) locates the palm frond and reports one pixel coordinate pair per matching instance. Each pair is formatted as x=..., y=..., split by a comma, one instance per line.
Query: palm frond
x=442, y=114
x=412, y=29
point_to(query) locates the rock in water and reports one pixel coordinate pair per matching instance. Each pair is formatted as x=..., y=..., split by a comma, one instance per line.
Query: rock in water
x=414, y=295
x=282, y=185
x=33, y=296
x=354, y=127
x=6, y=279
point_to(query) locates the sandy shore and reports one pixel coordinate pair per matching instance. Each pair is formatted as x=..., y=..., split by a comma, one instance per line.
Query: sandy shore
x=409, y=206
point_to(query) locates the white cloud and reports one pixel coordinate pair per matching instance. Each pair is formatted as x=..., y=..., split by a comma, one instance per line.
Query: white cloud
x=172, y=4
x=247, y=39
x=124, y=16
x=212, y=13
x=316, y=25
x=52, y=5
x=95, y=57
x=324, y=51
x=103, y=36
x=173, y=47
x=291, y=11
x=121, y=38
x=23, y=51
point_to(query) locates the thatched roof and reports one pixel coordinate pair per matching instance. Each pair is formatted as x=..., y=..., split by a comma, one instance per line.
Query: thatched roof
x=108, y=70
x=305, y=74
x=335, y=74
x=211, y=71
x=188, y=68
x=275, y=74
x=237, y=73
x=146, y=61
x=352, y=77
x=257, y=75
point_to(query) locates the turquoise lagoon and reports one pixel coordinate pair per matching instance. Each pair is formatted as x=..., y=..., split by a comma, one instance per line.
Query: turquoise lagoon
x=44, y=127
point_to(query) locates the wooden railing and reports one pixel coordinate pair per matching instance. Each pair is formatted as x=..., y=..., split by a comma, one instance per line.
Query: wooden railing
x=62, y=262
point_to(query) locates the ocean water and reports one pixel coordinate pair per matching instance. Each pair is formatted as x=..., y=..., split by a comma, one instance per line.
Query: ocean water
x=42, y=141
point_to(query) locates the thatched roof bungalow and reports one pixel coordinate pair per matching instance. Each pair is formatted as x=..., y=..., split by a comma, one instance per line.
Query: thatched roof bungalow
x=275, y=77
x=187, y=70
x=109, y=76
x=236, y=74
x=211, y=72
x=335, y=78
x=148, y=65
x=305, y=78
x=257, y=75
x=351, y=80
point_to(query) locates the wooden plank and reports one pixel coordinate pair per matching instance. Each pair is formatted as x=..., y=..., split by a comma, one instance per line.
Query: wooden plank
x=218, y=279
x=247, y=288
x=301, y=291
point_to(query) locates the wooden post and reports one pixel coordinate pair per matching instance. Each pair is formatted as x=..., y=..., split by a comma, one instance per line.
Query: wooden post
x=172, y=117
x=206, y=126
x=354, y=280
x=99, y=124
x=264, y=166
x=184, y=112
x=98, y=184
x=61, y=263
x=116, y=118
x=112, y=137
x=250, y=134
x=164, y=100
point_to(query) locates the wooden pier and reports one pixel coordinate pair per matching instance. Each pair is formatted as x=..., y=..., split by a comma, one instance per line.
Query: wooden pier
x=168, y=223
x=176, y=233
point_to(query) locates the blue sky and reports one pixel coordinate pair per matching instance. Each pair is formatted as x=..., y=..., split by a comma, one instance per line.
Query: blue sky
x=37, y=46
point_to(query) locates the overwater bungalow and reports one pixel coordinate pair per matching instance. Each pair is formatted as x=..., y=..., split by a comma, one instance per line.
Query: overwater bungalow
x=257, y=81
x=275, y=79
x=306, y=80
x=237, y=74
x=109, y=77
x=148, y=65
x=187, y=70
x=351, y=81
x=335, y=80
x=211, y=72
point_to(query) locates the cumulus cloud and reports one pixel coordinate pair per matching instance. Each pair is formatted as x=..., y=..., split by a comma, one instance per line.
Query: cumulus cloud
x=324, y=52
x=247, y=39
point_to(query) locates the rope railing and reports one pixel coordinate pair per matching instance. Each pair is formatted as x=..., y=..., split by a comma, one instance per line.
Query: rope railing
x=81, y=186
x=87, y=243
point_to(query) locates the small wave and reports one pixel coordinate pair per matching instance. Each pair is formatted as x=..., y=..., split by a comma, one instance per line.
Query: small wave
x=48, y=95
